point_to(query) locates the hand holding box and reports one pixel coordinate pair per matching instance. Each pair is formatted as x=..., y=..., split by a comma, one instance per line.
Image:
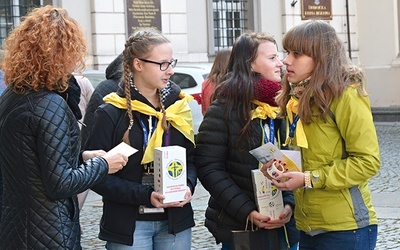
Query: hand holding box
x=170, y=177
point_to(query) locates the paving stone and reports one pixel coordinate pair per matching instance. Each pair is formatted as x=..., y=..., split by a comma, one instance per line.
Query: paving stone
x=386, y=181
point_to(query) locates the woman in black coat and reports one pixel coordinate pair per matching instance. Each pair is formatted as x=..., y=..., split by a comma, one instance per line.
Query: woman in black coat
x=230, y=129
x=41, y=164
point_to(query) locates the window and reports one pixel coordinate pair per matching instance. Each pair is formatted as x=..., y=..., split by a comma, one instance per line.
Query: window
x=183, y=80
x=11, y=12
x=230, y=19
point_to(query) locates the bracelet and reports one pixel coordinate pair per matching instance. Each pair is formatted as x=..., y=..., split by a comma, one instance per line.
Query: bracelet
x=307, y=179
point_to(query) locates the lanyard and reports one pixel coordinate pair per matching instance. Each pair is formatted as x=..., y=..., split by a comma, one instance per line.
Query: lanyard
x=146, y=135
x=292, y=127
x=271, y=132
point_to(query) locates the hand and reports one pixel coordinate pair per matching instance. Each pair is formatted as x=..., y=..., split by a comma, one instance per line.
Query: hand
x=258, y=219
x=188, y=197
x=272, y=168
x=284, y=218
x=89, y=154
x=293, y=180
x=116, y=161
x=156, y=200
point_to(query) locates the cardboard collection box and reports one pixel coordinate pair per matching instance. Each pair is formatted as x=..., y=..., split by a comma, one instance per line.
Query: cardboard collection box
x=268, y=198
x=170, y=172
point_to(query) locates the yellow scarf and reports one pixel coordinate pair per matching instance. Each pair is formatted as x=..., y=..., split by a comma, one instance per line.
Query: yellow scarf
x=264, y=110
x=292, y=107
x=178, y=114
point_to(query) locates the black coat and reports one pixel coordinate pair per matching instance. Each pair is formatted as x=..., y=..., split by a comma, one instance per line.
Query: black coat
x=123, y=192
x=224, y=168
x=113, y=77
x=39, y=155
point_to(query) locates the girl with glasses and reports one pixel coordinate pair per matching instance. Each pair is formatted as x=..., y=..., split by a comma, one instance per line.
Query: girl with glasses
x=147, y=111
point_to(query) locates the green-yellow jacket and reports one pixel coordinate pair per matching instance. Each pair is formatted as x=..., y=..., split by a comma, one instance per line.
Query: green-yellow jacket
x=340, y=198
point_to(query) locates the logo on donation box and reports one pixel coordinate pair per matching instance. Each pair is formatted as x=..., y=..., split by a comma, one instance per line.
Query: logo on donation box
x=274, y=190
x=175, y=169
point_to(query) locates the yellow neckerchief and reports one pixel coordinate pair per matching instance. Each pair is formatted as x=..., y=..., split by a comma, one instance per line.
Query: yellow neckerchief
x=292, y=107
x=264, y=110
x=178, y=114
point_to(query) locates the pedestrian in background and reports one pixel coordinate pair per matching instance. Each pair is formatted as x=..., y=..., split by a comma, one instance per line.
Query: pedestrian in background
x=148, y=111
x=86, y=93
x=325, y=94
x=114, y=73
x=42, y=167
x=214, y=78
x=241, y=119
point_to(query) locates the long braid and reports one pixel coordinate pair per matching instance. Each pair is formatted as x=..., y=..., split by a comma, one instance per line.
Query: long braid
x=127, y=85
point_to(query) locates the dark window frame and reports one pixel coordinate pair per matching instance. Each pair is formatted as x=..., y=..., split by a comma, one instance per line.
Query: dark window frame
x=230, y=18
x=11, y=12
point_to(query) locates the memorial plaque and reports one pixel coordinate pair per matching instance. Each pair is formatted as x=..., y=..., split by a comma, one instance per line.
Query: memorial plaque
x=316, y=9
x=142, y=14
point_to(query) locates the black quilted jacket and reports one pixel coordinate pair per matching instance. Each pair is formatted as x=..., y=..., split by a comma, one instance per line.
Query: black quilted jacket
x=224, y=169
x=39, y=160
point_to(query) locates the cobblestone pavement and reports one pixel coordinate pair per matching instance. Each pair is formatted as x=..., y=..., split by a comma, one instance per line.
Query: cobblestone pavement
x=385, y=188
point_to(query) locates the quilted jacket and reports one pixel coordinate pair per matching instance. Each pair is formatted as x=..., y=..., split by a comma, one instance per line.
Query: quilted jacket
x=39, y=160
x=224, y=169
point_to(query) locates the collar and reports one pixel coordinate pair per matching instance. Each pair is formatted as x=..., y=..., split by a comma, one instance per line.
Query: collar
x=264, y=110
x=178, y=114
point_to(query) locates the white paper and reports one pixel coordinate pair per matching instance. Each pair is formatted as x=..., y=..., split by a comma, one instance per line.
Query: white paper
x=269, y=151
x=294, y=155
x=124, y=149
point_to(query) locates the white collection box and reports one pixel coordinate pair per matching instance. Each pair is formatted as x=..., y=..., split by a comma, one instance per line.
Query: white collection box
x=268, y=198
x=170, y=172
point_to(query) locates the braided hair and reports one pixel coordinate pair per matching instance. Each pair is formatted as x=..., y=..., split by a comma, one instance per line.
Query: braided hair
x=139, y=45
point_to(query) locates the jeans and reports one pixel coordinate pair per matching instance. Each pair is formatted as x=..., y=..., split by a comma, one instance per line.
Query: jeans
x=359, y=239
x=151, y=235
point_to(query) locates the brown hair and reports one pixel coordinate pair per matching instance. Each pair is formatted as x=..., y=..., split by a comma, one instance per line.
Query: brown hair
x=237, y=88
x=220, y=64
x=40, y=51
x=333, y=70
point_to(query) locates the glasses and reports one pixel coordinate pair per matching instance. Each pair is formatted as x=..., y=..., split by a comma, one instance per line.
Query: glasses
x=163, y=65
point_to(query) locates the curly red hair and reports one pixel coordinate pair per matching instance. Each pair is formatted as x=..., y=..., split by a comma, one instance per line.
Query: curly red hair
x=43, y=51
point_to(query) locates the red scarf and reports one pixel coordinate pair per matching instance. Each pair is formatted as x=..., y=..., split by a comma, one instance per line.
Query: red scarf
x=266, y=91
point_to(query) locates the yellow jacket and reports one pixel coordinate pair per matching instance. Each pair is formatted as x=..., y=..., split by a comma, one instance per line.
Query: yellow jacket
x=340, y=198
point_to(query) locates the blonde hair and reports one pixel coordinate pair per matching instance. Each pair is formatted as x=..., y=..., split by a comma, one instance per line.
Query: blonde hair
x=333, y=70
x=138, y=45
x=40, y=51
